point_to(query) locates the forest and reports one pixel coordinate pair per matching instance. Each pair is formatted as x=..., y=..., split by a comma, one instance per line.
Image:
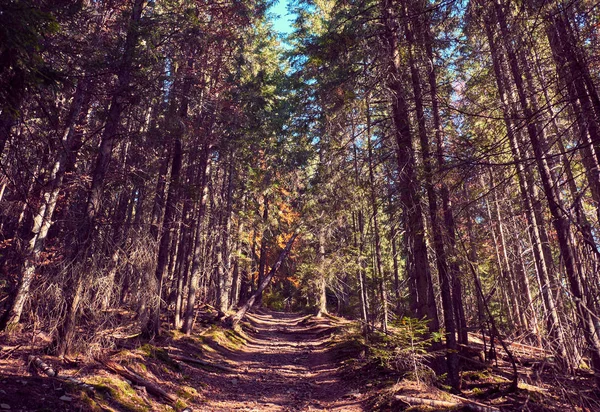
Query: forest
x=420, y=174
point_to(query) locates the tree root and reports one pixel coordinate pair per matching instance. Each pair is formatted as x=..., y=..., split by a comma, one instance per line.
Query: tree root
x=138, y=380
x=203, y=363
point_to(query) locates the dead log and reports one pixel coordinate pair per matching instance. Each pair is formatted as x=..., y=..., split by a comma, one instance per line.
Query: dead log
x=498, y=371
x=40, y=364
x=475, y=406
x=9, y=351
x=429, y=402
x=462, y=402
x=521, y=346
x=203, y=363
x=78, y=383
x=138, y=380
x=235, y=319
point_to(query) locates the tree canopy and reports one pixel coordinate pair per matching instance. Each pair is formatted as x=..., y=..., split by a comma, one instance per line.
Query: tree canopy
x=388, y=159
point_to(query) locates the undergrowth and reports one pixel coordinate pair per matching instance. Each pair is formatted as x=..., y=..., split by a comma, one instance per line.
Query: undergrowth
x=405, y=348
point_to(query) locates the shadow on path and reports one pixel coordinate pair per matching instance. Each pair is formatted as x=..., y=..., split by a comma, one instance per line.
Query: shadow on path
x=287, y=365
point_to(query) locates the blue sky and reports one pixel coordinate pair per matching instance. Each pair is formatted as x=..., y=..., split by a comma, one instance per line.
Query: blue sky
x=282, y=24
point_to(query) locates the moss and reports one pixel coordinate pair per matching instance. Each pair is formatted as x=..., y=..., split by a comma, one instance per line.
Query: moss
x=205, y=346
x=121, y=392
x=160, y=354
x=147, y=349
x=425, y=408
x=235, y=337
x=91, y=404
x=477, y=392
x=187, y=392
x=476, y=375
x=226, y=338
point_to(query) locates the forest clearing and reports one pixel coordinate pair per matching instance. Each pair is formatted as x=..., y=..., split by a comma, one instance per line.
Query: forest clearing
x=300, y=205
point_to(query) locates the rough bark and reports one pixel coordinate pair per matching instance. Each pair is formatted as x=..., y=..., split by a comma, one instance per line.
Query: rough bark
x=421, y=295
x=375, y=218
x=559, y=220
x=152, y=328
x=543, y=266
x=86, y=230
x=204, y=173
x=42, y=221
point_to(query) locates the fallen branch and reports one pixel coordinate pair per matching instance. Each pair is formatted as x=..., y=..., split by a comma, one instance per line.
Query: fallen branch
x=515, y=375
x=40, y=364
x=203, y=363
x=78, y=383
x=8, y=352
x=235, y=319
x=521, y=346
x=475, y=406
x=462, y=402
x=429, y=402
x=495, y=369
x=138, y=380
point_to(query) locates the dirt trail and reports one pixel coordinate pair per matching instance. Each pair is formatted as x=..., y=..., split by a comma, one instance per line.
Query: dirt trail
x=286, y=366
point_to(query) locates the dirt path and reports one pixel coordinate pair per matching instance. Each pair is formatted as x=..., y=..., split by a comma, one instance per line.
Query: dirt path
x=287, y=366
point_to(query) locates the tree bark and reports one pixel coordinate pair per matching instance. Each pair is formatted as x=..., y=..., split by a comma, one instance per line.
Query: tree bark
x=86, y=231
x=204, y=173
x=322, y=275
x=224, y=264
x=152, y=328
x=265, y=282
x=422, y=300
x=375, y=218
x=42, y=221
x=559, y=219
x=543, y=266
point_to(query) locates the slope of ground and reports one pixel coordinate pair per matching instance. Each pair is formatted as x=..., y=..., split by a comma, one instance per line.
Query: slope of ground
x=286, y=365
x=276, y=362
x=279, y=362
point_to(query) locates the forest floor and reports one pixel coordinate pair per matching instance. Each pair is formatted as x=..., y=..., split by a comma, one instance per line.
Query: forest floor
x=276, y=362
x=288, y=366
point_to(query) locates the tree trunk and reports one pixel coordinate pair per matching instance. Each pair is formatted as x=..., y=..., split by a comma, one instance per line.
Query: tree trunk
x=86, y=231
x=224, y=268
x=152, y=328
x=374, y=215
x=261, y=287
x=559, y=219
x=421, y=295
x=262, y=262
x=543, y=266
x=358, y=230
x=438, y=241
x=204, y=173
x=42, y=220
x=322, y=275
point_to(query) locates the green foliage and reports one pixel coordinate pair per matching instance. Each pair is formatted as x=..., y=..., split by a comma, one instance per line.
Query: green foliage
x=406, y=348
x=274, y=299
